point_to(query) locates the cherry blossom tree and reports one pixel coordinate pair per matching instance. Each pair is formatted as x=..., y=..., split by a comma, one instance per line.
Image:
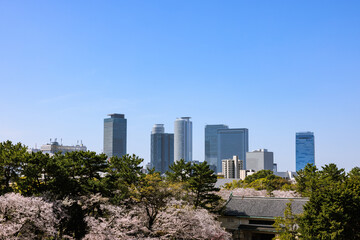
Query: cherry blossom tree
x=251, y=192
x=26, y=218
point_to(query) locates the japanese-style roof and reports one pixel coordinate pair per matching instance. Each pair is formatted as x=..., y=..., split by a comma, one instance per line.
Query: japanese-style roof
x=266, y=207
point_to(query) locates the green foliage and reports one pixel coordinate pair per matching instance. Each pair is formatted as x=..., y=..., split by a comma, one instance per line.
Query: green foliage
x=262, y=180
x=307, y=180
x=180, y=171
x=201, y=184
x=334, y=203
x=35, y=178
x=153, y=194
x=287, y=226
x=235, y=184
x=199, y=180
x=258, y=175
x=11, y=161
x=122, y=173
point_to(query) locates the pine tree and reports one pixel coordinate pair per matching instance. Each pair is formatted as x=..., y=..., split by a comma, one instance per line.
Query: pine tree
x=202, y=185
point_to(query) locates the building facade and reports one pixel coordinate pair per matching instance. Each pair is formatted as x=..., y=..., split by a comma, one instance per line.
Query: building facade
x=54, y=147
x=183, y=139
x=232, y=142
x=115, y=129
x=231, y=167
x=305, y=149
x=260, y=159
x=211, y=144
x=162, y=148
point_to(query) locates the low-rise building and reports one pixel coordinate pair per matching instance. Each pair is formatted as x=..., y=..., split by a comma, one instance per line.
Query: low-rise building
x=54, y=147
x=252, y=218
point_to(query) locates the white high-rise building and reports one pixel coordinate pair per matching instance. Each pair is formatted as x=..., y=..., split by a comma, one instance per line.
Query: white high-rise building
x=231, y=168
x=183, y=139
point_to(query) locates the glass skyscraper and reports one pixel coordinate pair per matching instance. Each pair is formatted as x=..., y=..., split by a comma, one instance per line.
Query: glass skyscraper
x=183, y=139
x=232, y=142
x=305, y=149
x=211, y=144
x=115, y=135
x=162, y=148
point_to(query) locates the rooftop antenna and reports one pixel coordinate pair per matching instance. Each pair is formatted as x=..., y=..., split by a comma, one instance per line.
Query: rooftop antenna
x=50, y=140
x=61, y=141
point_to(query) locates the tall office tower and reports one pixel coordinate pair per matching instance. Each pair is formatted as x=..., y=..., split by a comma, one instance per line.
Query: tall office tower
x=305, y=149
x=260, y=160
x=115, y=135
x=162, y=148
x=211, y=144
x=183, y=139
x=232, y=142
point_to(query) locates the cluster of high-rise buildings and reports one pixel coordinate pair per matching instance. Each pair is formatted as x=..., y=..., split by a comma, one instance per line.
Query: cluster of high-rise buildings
x=226, y=149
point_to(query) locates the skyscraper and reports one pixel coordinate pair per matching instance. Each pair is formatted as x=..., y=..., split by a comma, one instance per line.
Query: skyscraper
x=115, y=135
x=183, y=139
x=162, y=148
x=211, y=144
x=232, y=142
x=305, y=149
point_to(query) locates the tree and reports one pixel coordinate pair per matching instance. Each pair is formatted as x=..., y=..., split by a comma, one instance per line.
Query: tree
x=333, y=206
x=34, y=179
x=202, y=186
x=26, y=218
x=287, y=226
x=181, y=171
x=258, y=175
x=122, y=173
x=182, y=221
x=11, y=162
x=152, y=194
x=307, y=180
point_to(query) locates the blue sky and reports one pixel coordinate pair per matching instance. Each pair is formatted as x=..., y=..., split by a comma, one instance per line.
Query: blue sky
x=274, y=67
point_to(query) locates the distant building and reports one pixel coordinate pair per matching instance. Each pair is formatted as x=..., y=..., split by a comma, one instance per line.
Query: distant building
x=145, y=168
x=275, y=168
x=232, y=142
x=54, y=147
x=231, y=167
x=260, y=159
x=183, y=139
x=115, y=135
x=162, y=148
x=305, y=149
x=211, y=144
x=287, y=175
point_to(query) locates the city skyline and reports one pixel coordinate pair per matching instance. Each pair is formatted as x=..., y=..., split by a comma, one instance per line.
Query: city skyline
x=293, y=67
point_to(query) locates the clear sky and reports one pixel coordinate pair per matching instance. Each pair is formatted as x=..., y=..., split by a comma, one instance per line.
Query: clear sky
x=274, y=67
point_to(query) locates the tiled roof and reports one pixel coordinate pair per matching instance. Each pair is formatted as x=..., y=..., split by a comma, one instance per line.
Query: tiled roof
x=262, y=206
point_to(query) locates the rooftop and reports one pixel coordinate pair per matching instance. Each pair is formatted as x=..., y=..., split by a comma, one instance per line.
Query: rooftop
x=116, y=115
x=266, y=207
